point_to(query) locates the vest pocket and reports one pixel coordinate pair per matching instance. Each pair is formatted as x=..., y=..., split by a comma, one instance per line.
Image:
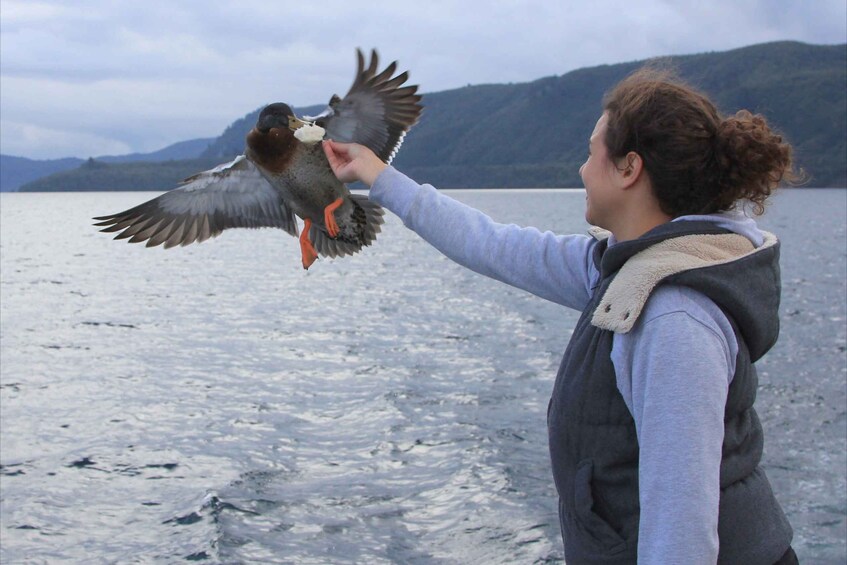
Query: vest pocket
x=596, y=531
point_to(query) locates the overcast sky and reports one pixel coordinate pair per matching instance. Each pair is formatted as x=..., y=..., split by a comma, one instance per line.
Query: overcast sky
x=87, y=78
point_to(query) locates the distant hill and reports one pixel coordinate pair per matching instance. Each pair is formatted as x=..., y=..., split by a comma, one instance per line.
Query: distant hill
x=17, y=171
x=191, y=149
x=93, y=175
x=534, y=134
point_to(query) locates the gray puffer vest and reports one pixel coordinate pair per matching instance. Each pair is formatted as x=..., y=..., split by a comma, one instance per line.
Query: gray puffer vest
x=593, y=443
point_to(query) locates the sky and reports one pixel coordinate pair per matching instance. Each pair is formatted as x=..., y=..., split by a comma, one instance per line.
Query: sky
x=111, y=77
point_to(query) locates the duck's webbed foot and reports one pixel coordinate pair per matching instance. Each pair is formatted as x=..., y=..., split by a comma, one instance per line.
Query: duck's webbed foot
x=307, y=250
x=329, y=218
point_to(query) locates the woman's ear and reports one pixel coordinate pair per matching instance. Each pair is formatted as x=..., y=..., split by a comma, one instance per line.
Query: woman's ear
x=630, y=168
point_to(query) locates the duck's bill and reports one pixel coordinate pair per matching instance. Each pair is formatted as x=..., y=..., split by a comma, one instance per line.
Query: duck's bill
x=295, y=123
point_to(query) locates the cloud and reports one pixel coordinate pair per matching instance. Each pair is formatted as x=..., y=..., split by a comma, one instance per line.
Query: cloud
x=50, y=143
x=144, y=75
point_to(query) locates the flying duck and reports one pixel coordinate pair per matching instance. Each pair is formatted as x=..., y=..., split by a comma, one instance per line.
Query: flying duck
x=284, y=173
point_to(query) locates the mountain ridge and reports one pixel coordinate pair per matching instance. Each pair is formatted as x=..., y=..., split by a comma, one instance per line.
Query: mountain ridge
x=16, y=171
x=534, y=134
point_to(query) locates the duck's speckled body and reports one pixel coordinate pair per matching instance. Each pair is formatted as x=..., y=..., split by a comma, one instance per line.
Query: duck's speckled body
x=306, y=183
x=280, y=176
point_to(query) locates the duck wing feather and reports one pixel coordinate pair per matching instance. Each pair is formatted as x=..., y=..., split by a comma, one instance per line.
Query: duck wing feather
x=376, y=112
x=231, y=195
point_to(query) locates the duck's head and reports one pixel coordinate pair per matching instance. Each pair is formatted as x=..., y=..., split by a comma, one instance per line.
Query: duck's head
x=277, y=116
x=271, y=142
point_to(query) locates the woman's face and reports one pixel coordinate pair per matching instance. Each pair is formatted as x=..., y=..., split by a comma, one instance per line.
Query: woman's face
x=597, y=177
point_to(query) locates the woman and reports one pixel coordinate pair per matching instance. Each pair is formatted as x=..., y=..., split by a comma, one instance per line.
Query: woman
x=654, y=441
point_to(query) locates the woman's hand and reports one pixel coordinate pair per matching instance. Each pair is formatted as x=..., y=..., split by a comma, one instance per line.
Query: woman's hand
x=353, y=162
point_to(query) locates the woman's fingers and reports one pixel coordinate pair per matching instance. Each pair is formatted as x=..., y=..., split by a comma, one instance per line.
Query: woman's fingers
x=351, y=162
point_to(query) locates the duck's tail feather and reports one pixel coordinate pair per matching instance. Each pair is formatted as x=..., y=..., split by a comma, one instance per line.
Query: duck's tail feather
x=367, y=217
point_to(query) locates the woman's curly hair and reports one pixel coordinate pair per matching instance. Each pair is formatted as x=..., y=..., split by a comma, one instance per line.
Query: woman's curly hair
x=698, y=161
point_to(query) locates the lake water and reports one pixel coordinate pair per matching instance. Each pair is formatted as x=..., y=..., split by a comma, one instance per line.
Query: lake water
x=217, y=403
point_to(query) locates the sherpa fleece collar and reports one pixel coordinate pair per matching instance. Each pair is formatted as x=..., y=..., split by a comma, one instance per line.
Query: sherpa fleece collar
x=626, y=296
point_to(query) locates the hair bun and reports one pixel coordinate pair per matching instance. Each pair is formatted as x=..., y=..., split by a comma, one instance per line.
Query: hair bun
x=751, y=157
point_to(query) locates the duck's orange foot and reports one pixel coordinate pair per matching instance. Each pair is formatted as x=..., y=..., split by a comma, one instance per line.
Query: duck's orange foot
x=307, y=250
x=329, y=217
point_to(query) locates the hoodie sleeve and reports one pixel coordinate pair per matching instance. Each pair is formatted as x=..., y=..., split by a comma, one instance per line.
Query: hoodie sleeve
x=555, y=267
x=677, y=401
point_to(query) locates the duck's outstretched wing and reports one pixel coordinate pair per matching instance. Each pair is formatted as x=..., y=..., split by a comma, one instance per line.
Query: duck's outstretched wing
x=232, y=195
x=376, y=112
